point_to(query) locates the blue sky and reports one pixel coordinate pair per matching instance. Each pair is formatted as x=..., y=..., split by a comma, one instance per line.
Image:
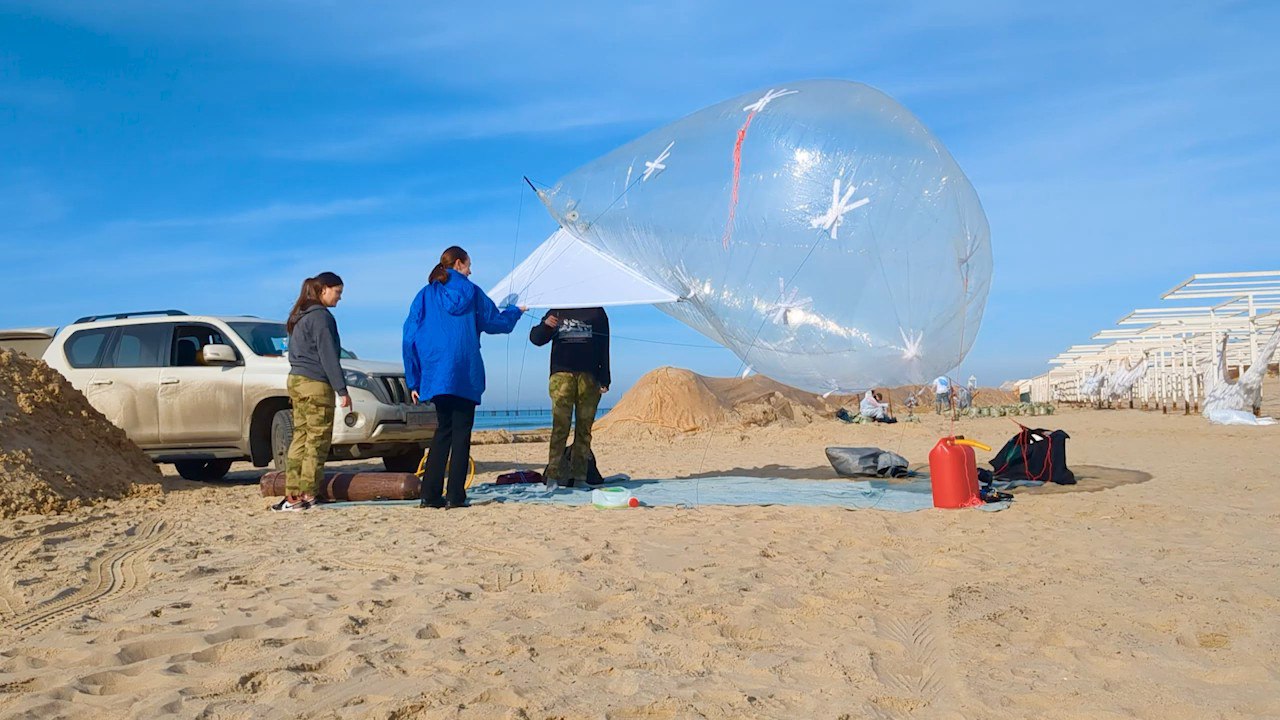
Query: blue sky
x=207, y=156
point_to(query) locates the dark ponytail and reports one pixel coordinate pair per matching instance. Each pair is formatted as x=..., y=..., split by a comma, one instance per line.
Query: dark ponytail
x=310, y=295
x=448, y=258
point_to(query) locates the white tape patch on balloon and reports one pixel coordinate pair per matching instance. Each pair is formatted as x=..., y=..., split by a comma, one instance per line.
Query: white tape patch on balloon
x=656, y=165
x=840, y=206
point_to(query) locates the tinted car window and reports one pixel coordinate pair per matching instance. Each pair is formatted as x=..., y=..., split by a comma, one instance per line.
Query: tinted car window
x=140, y=346
x=264, y=338
x=85, y=347
x=189, y=340
x=272, y=339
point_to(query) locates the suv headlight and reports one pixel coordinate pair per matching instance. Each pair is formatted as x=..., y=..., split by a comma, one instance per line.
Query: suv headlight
x=355, y=378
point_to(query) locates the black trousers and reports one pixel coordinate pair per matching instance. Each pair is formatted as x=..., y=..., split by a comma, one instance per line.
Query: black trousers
x=451, y=446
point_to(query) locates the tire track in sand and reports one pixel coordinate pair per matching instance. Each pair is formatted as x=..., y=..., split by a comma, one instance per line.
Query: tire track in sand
x=12, y=602
x=112, y=574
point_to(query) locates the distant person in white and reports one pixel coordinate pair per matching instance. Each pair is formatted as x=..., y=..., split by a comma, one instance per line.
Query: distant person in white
x=874, y=408
x=941, y=394
x=964, y=401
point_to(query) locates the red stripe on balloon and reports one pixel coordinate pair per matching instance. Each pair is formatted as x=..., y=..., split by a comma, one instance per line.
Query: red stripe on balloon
x=737, y=172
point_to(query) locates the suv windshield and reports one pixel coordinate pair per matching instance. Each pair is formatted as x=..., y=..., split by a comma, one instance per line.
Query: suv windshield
x=271, y=339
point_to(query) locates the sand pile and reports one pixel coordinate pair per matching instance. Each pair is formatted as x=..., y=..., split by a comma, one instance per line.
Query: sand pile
x=672, y=399
x=56, y=451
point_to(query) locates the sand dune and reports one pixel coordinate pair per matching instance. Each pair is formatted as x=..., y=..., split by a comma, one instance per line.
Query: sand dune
x=1152, y=596
x=56, y=451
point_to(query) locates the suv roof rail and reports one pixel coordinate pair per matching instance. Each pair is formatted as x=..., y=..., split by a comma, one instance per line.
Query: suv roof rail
x=123, y=315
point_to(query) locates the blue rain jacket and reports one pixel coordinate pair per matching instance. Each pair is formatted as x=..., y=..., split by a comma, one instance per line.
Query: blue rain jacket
x=442, y=338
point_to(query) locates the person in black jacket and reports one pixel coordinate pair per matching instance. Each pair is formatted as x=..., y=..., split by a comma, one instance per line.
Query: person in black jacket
x=579, y=376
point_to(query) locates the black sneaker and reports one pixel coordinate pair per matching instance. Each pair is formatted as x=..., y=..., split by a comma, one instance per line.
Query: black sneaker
x=434, y=504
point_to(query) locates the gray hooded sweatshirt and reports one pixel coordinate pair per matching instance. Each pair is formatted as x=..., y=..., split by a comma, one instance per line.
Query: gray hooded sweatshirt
x=313, y=348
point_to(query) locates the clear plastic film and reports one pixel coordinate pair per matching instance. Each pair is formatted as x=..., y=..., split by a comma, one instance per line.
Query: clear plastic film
x=816, y=229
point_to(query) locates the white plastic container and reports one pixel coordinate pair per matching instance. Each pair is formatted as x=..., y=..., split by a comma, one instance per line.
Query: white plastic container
x=610, y=498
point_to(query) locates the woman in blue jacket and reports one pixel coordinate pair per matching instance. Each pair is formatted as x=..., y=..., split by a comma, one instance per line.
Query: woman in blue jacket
x=442, y=363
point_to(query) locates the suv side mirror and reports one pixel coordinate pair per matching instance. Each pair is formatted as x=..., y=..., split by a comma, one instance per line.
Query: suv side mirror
x=218, y=355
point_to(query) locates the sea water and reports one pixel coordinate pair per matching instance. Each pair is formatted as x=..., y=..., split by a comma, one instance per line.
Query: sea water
x=514, y=420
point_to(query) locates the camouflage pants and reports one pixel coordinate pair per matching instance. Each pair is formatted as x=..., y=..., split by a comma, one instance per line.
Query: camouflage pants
x=313, y=409
x=571, y=393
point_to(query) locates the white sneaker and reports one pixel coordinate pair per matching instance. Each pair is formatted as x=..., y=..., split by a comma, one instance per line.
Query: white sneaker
x=286, y=506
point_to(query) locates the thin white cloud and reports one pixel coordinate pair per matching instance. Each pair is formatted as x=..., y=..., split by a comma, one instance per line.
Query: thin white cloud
x=272, y=214
x=1138, y=130
x=31, y=207
x=385, y=265
x=381, y=137
x=33, y=95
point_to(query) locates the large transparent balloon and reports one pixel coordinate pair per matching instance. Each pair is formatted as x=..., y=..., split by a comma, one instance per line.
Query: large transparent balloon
x=816, y=229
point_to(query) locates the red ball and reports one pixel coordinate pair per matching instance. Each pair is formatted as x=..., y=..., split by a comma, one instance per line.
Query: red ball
x=634, y=502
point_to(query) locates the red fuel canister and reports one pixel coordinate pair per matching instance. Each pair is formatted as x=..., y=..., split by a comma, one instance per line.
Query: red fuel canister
x=953, y=473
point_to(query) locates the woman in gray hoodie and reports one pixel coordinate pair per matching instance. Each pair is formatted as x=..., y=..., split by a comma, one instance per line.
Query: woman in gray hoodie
x=314, y=376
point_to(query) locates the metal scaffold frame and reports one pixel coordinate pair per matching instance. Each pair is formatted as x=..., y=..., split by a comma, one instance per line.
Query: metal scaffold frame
x=1176, y=343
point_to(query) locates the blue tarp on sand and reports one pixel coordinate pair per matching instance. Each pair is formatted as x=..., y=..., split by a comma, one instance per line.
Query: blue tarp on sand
x=732, y=490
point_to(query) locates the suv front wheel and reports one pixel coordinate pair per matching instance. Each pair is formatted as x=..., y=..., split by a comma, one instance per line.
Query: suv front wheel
x=203, y=470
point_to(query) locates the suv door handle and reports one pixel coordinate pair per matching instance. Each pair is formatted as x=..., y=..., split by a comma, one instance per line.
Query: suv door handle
x=100, y=382
x=169, y=381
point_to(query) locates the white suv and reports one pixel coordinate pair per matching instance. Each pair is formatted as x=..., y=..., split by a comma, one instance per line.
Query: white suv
x=201, y=391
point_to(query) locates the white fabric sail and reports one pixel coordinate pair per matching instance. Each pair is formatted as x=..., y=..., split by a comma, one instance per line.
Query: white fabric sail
x=1233, y=403
x=1123, y=380
x=564, y=272
x=1091, y=386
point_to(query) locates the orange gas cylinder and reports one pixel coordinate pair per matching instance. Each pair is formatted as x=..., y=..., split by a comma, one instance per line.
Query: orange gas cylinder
x=953, y=473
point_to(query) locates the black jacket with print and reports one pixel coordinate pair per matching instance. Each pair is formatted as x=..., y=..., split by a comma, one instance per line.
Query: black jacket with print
x=579, y=344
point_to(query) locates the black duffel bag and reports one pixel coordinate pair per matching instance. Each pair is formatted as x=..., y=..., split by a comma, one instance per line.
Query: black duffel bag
x=1034, y=455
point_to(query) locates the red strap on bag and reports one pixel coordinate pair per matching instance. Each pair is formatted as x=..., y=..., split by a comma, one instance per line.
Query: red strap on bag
x=1024, y=442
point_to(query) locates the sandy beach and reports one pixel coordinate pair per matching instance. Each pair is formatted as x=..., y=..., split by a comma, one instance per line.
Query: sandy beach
x=750, y=240
x=1149, y=590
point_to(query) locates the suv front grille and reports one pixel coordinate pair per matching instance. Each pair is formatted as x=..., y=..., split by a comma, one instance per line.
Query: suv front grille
x=395, y=388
